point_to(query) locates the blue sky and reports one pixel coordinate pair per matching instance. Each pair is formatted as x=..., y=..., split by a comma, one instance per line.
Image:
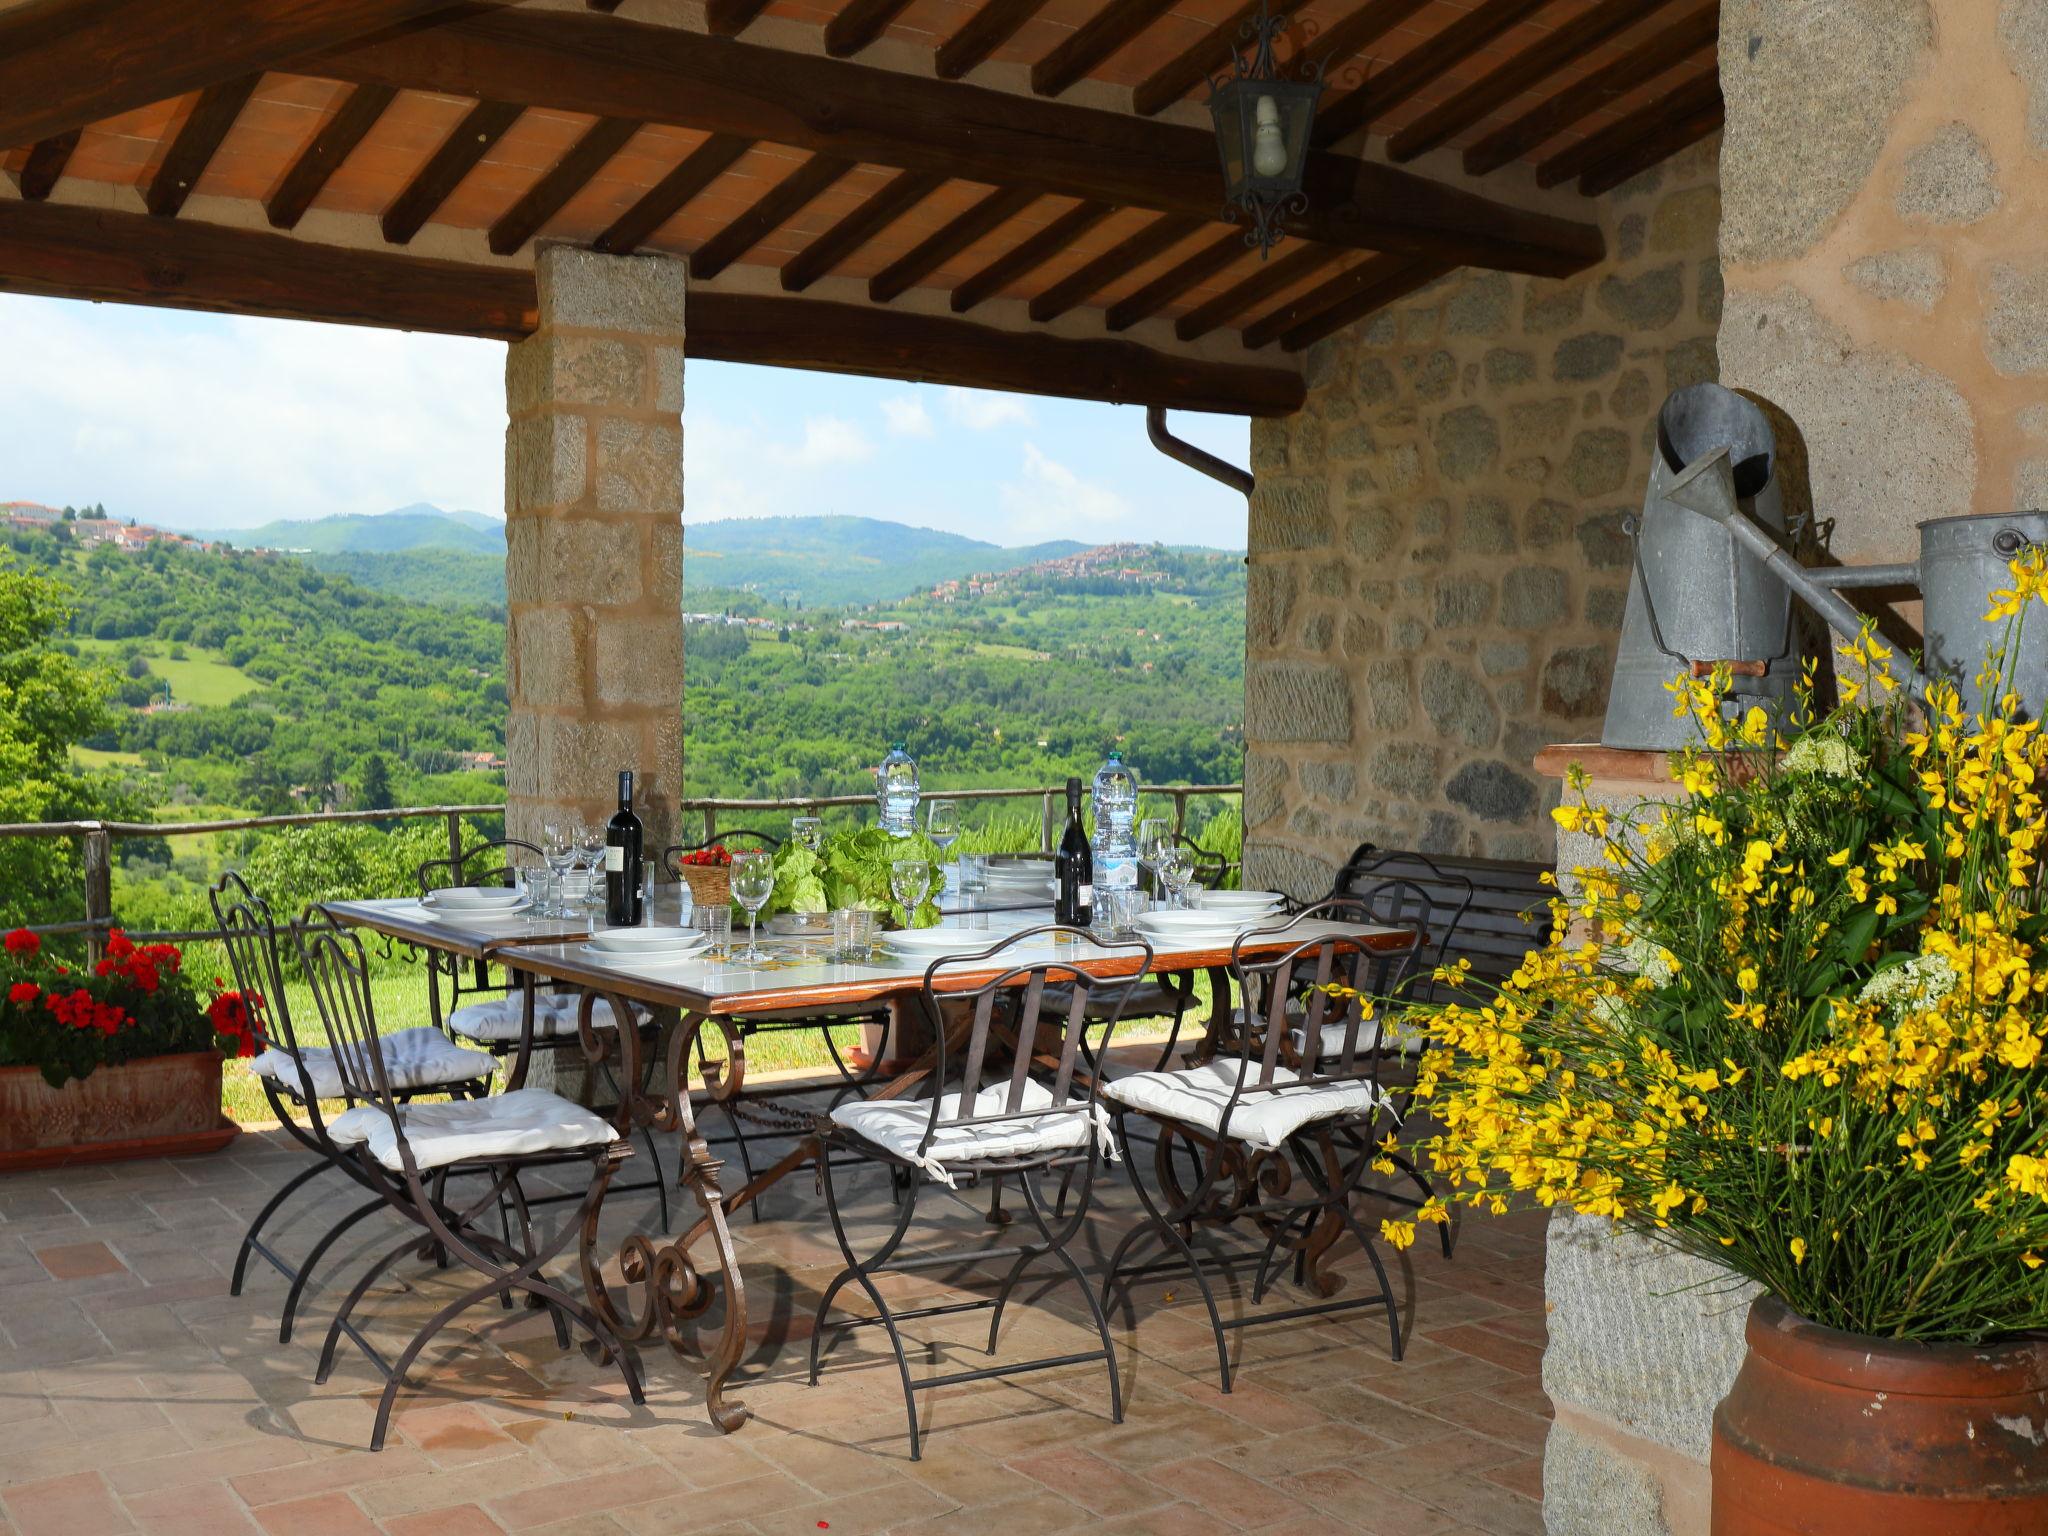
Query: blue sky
x=217, y=421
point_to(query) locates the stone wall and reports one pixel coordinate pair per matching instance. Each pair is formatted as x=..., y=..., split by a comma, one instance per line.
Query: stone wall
x=1437, y=567
x=1887, y=285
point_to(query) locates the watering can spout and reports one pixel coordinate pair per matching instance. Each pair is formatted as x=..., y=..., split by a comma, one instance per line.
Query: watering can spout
x=1707, y=486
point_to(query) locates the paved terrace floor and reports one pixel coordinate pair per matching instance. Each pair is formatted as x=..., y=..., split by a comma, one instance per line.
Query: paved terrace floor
x=137, y=1395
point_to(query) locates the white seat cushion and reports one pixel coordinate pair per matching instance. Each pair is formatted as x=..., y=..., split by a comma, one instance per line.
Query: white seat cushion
x=1263, y=1118
x=496, y=1021
x=899, y=1126
x=413, y=1059
x=519, y=1124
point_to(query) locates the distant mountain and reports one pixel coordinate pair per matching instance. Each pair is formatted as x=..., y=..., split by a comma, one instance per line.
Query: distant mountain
x=419, y=526
x=832, y=561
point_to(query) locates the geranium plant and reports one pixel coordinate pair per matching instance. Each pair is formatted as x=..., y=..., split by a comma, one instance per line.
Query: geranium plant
x=135, y=1002
x=1794, y=1019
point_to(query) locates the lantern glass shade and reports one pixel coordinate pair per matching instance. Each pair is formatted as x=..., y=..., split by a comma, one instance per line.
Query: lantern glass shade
x=1236, y=110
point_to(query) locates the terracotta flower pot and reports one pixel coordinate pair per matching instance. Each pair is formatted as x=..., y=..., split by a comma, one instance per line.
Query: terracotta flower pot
x=1835, y=1434
x=157, y=1107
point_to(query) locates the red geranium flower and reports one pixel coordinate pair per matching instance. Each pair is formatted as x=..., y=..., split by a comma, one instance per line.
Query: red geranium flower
x=22, y=993
x=22, y=942
x=233, y=1016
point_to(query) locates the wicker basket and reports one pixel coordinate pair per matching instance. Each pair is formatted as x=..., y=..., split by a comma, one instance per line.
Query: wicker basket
x=710, y=884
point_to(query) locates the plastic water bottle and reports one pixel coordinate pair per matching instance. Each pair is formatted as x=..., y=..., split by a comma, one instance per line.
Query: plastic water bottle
x=896, y=792
x=1116, y=815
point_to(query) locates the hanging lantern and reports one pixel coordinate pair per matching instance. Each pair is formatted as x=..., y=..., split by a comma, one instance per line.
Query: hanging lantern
x=1262, y=122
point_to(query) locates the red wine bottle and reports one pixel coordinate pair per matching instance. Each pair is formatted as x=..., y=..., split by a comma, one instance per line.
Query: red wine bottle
x=622, y=861
x=1074, y=868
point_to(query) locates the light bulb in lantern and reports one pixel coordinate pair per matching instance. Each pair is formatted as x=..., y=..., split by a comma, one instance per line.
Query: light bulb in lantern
x=1269, y=149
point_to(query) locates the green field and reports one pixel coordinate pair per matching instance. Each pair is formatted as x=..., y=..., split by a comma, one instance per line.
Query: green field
x=202, y=678
x=92, y=757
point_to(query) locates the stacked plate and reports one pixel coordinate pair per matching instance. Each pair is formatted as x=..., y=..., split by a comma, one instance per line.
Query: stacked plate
x=1198, y=930
x=942, y=939
x=474, y=901
x=646, y=946
x=1235, y=902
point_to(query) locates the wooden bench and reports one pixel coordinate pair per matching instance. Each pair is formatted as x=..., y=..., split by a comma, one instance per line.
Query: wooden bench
x=1487, y=912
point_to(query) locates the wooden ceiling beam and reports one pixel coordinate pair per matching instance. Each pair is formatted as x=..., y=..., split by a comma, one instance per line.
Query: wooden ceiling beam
x=1093, y=41
x=1696, y=93
x=1081, y=285
x=1173, y=282
x=1661, y=134
x=876, y=214
x=1421, y=66
x=1357, y=32
x=667, y=197
x=1191, y=66
x=988, y=215
x=196, y=144
x=1273, y=277
x=1366, y=287
x=859, y=23
x=1559, y=49
x=66, y=63
x=560, y=182
x=481, y=127
x=990, y=25
x=320, y=159
x=577, y=62
x=1695, y=32
x=1027, y=256
x=775, y=208
x=729, y=18
x=129, y=258
x=46, y=161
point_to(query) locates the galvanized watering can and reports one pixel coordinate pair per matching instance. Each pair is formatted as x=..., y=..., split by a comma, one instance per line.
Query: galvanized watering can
x=1713, y=581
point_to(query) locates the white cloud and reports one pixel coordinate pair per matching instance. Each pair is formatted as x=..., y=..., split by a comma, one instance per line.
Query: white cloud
x=1052, y=502
x=907, y=417
x=831, y=440
x=982, y=410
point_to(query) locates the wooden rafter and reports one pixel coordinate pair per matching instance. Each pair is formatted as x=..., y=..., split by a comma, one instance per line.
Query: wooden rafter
x=987, y=215
x=320, y=159
x=667, y=197
x=560, y=182
x=46, y=161
x=66, y=63
x=1342, y=40
x=576, y=62
x=1557, y=50
x=1176, y=280
x=873, y=216
x=1366, y=287
x=1093, y=41
x=481, y=127
x=729, y=18
x=1189, y=68
x=1643, y=139
x=1693, y=33
x=1081, y=285
x=775, y=208
x=1274, y=277
x=94, y=254
x=1027, y=256
x=194, y=147
x=989, y=26
x=1687, y=96
x=1358, y=31
x=859, y=23
x=1421, y=66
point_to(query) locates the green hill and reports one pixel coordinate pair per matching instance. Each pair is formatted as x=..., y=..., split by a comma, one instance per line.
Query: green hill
x=829, y=561
x=419, y=526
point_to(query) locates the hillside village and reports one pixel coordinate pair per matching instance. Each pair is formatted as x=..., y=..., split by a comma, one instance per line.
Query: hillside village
x=90, y=528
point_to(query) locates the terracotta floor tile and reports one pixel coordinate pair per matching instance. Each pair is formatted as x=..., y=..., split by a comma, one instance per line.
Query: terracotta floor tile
x=327, y=1514
x=635, y=1485
x=1097, y=1485
x=461, y=1520
x=195, y=1509
x=1484, y=1343
x=1524, y=1477
x=78, y=1505
x=79, y=1261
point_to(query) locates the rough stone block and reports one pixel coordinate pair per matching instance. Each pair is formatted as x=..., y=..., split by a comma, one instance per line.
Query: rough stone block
x=1388, y=694
x=1296, y=701
x=1467, y=443
x=1639, y=1333
x=1533, y=597
x=1603, y=543
x=2016, y=320
x=1506, y=368
x=1647, y=302
x=1550, y=306
x=1435, y=376
x=547, y=461
x=1487, y=527
x=1458, y=704
x=597, y=562
x=1265, y=787
x=667, y=363
x=1575, y=681
x=1951, y=179
x=1480, y=307
x=1270, y=866
x=1598, y=462
x=1590, y=1489
x=1290, y=514
x=580, y=759
x=1915, y=276
x=640, y=466
x=1269, y=599
x=1376, y=383
x=550, y=369
x=595, y=292
x=638, y=661
x=1493, y=791
x=1374, y=532
x=1503, y=656
x=1404, y=768
x=1329, y=781
x=546, y=659
x=1692, y=362
x=1463, y=601
x=1589, y=355
x=1686, y=221
x=1538, y=424
x=1317, y=630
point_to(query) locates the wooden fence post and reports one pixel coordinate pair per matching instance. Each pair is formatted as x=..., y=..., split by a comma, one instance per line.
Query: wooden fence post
x=455, y=846
x=96, y=851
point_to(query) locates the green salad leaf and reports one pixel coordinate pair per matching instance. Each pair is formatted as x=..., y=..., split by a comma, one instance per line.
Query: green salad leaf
x=852, y=869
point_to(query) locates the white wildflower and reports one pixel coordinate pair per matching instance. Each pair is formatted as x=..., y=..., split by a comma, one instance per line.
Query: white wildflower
x=1915, y=987
x=1822, y=753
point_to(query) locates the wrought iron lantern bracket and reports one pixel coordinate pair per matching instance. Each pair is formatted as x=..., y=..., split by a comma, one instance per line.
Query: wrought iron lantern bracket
x=1263, y=111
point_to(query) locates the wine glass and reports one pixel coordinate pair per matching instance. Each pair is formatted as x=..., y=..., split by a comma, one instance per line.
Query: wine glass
x=1177, y=868
x=1152, y=838
x=558, y=847
x=942, y=823
x=910, y=879
x=808, y=830
x=752, y=877
x=590, y=841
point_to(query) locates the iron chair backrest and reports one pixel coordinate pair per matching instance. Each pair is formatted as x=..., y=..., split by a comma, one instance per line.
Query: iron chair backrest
x=338, y=974
x=469, y=866
x=1487, y=912
x=1212, y=868
x=675, y=851
x=1370, y=966
x=248, y=932
x=1023, y=983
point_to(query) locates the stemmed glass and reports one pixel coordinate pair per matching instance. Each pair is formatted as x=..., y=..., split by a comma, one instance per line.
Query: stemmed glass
x=910, y=879
x=558, y=847
x=590, y=836
x=942, y=823
x=808, y=830
x=1177, y=868
x=752, y=877
x=1152, y=839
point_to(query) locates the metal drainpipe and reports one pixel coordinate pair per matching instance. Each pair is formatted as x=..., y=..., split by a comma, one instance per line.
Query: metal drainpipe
x=1180, y=449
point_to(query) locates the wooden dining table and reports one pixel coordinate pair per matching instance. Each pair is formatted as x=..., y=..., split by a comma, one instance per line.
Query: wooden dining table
x=664, y=1288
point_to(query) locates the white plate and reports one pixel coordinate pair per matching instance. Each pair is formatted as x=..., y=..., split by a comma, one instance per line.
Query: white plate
x=943, y=939
x=633, y=941
x=474, y=909
x=476, y=896
x=1233, y=901
x=676, y=955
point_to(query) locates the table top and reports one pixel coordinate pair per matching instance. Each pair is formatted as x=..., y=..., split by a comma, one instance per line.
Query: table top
x=798, y=973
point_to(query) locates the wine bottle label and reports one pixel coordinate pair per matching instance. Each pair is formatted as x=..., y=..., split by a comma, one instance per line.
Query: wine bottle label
x=615, y=860
x=1087, y=894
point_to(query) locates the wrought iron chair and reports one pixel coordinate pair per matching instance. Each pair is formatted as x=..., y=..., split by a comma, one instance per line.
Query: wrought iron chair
x=1024, y=1125
x=296, y=1078
x=1300, y=1088
x=674, y=851
x=408, y=1152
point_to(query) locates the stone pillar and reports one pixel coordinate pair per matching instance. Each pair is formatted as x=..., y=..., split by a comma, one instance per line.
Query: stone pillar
x=594, y=543
x=1886, y=287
